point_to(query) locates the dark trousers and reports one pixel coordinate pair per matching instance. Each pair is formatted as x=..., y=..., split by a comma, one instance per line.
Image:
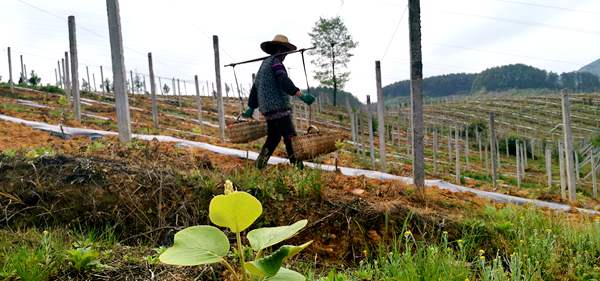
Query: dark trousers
x=277, y=129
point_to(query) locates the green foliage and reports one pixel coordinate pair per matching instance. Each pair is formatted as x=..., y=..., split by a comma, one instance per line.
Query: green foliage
x=106, y=85
x=263, y=238
x=30, y=262
x=95, y=146
x=83, y=259
x=327, y=93
x=38, y=152
x=580, y=81
x=596, y=141
x=166, y=89
x=270, y=265
x=514, y=76
x=435, y=86
x=197, y=245
x=34, y=79
x=9, y=153
x=501, y=78
x=236, y=210
x=326, y=32
x=52, y=89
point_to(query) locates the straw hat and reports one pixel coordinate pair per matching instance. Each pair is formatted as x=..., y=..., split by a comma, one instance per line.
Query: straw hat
x=270, y=47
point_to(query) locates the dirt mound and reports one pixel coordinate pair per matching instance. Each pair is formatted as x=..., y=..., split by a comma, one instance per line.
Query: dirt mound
x=149, y=190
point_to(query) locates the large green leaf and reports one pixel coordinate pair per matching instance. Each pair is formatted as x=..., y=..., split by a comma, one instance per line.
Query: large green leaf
x=270, y=265
x=236, y=211
x=268, y=236
x=202, y=244
x=285, y=274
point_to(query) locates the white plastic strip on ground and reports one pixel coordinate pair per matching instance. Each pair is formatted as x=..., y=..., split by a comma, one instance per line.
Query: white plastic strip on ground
x=498, y=197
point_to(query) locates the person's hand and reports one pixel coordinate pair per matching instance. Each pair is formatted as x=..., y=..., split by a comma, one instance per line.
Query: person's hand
x=307, y=99
x=248, y=113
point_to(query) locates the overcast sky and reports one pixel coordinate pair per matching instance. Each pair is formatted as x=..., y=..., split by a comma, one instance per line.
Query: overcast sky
x=458, y=35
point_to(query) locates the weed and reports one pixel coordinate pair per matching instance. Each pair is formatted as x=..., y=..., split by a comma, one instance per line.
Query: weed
x=38, y=152
x=83, y=259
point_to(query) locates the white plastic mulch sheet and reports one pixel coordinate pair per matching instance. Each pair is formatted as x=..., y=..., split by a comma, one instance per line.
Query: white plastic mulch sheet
x=498, y=197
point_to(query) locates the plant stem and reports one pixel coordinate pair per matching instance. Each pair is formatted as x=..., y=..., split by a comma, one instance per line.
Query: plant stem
x=241, y=254
x=230, y=268
x=258, y=254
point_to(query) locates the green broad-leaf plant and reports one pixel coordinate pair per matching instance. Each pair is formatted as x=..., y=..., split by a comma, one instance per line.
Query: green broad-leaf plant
x=236, y=210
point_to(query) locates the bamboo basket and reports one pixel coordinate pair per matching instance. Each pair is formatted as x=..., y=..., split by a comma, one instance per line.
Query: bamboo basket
x=244, y=131
x=313, y=144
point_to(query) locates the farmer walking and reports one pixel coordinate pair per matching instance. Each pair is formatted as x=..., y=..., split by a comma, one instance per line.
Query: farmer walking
x=271, y=93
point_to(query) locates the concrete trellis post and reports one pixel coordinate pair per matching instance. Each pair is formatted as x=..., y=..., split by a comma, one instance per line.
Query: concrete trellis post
x=153, y=92
x=131, y=81
x=68, y=77
x=102, y=80
x=485, y=157
x=220, y=108
x=548, y=155
x=10, y=76
x=478, y=137
x=56, y=77
x=568, y=138
x=74, y=67
x=60, y=74
x=507, y=148
x=94, y=79
x=457, y=155
x=467, y=148
x=593, y=164
x=380, y=117
x=518, y=146
x=532, y=142
x=198, y=99
x=522, y=158
x=178, y=92
x=435, y=150
x=87, y=70
x=25, y=75
x=416, y=85
x=576, y=165
x=525, y=154
x=493, y=149
x=370, y=125
x=22, y=76
x=174, y=87
x=563, y=176
x=409, y=141
x=352, y=123
x=118, y=69
x=450, y=157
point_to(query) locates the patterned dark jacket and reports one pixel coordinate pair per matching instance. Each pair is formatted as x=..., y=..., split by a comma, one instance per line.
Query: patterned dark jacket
x=272, y=90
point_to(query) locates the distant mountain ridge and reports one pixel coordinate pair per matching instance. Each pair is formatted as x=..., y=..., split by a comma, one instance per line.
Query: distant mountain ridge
x=501, y=78
x=593, y=67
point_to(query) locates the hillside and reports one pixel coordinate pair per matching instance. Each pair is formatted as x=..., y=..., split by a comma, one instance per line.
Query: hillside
x=435, y=86
x=341, y=96
x=500, y=78
x=593, y=67
x=121, y=204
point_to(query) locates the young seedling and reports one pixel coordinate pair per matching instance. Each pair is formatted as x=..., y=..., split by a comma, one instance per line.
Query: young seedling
x=236, y=210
